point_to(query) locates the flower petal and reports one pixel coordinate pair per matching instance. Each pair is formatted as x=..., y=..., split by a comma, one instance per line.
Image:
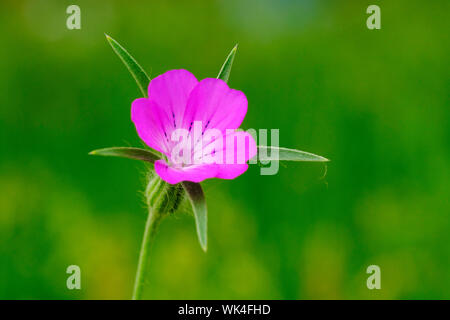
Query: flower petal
x=194, y=173
x=149, y=122
x=231, y=171
x=230, y=153
x=216, y=105
x=171, y=91
x=239, y=147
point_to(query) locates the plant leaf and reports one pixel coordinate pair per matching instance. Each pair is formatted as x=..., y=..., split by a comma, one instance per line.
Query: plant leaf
x=287, y=154
x=128, y=152
x=142, y=79
x=224, y=72
x=198, y=202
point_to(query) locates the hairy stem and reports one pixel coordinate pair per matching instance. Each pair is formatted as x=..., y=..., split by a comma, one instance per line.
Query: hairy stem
x=151, y=226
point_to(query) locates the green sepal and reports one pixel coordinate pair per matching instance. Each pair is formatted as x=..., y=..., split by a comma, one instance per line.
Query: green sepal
x=141, y=77
x=266, y=153
x=148, y=155
x=161, y=197
x=224, y=72
x=197, y=198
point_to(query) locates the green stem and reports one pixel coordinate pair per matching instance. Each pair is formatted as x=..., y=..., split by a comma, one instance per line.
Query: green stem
x=151, y=226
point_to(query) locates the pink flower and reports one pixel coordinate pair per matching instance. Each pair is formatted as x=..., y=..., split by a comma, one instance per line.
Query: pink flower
x=194, y=125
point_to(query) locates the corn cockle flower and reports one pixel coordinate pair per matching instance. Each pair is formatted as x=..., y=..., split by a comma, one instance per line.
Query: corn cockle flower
x=191, y=129
x=193, y=123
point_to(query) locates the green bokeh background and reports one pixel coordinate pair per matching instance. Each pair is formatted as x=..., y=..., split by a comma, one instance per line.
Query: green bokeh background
x=375, y=102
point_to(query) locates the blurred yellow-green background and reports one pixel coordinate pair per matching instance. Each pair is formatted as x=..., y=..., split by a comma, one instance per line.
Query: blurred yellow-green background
x=373, y=101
